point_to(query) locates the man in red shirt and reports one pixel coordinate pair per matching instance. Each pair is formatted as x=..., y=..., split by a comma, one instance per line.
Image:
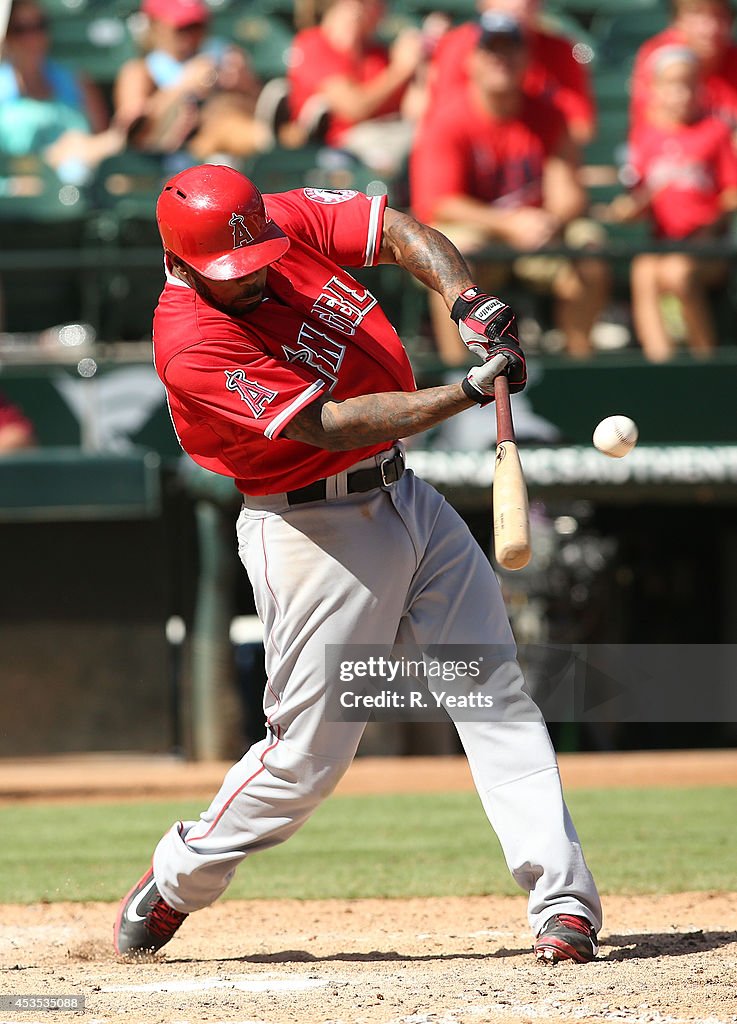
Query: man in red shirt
x=339, y=67
x=283, y=373
x=507, y=171
x=686, y=167
x=555, y=71
x=704, y=26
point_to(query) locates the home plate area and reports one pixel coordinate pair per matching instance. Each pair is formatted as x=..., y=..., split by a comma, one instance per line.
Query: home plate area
x=241, y=983
x=664, y=959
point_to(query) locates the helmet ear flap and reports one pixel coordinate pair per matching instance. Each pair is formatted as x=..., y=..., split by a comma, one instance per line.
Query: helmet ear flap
x=214, y=220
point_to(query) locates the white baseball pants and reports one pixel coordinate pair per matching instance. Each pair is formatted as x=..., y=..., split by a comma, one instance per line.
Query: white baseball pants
x=393, y=564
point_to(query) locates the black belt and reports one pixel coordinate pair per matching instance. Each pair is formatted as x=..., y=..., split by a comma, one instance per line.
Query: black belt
x=387, y=472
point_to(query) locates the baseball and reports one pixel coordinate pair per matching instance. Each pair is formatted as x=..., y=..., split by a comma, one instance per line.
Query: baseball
x=615, y=436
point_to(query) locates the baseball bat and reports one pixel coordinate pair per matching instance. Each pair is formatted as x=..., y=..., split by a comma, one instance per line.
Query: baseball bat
x=510, y=509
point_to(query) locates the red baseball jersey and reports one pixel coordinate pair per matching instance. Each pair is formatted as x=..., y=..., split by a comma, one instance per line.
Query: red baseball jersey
x=686, y=168
x=312, y=60
x=720, y=85
x=553, y=73
x=233, y=384
x=477, y=155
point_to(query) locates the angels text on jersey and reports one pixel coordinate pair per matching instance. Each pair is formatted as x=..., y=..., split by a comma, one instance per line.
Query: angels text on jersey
x=342, y=306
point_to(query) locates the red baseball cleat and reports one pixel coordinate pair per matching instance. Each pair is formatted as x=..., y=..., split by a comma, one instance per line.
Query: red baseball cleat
x=566, y=937
x=145, y=920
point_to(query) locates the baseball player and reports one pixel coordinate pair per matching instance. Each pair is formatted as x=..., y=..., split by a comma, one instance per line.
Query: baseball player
x=282, y=372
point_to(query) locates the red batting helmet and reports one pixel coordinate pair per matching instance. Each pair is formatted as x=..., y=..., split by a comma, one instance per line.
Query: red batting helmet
x=213, y=219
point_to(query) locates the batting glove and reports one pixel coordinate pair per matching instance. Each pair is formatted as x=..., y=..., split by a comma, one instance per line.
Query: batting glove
x=488, y=327
x=478, y=384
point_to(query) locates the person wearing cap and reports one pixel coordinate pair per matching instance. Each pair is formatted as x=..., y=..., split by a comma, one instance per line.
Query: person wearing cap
x=685, y=169
x=705, y=27
x=556, y=67
x=189, y=90
x=507, y=172
x=283, y=372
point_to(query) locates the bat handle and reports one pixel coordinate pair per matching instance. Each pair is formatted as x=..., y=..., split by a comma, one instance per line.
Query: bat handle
x=504, y=424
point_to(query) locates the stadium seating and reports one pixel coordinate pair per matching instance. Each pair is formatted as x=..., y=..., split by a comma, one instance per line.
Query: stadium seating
x=314, y=167
x=128, y=184
x=611, y=87
x=129, y=279
x=42, y=223
x=264, y=37
x=95, y=42
x=459, y=10
x=562, y=23
x=620, y=33
x=609, y=146
x=586, y=11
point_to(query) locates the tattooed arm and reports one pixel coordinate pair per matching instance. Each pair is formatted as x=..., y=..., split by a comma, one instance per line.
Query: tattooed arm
x=369, y=419
x=426, y=254
x=486, y=324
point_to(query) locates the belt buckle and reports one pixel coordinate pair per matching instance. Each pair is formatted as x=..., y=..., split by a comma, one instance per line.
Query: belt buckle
x=391, y=469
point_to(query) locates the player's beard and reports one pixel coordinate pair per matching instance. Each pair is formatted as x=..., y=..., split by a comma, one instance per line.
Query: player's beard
x=245, y=305
x=248, y=299
x=242, y=307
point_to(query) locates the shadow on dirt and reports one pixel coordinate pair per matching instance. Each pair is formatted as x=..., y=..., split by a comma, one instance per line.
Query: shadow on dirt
x=646, y=946
x=301, y=956
x=643, y=946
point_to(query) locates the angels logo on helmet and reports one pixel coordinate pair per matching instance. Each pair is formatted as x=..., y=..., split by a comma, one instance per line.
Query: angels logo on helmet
x=241, y=234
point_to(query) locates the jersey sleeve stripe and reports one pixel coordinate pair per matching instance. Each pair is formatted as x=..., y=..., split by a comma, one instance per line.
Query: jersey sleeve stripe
x=373, y=239
x=274, y=428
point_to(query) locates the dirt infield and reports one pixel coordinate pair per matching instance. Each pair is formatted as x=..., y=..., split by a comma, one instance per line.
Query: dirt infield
x=663, y=960
x=133, y=776
x=432, y=961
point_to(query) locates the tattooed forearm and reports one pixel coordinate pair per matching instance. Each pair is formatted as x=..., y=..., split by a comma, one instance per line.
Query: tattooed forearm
x=368, y=419
x=426, y=254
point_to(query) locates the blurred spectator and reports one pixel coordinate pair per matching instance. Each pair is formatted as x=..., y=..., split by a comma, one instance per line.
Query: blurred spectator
x=46, y=109
x=507, y=171
x=189, y=90
x=552, y=71
x=339, y=69
x=686, y=167
x=16, y=432
x=704, y=26
x=435, y=27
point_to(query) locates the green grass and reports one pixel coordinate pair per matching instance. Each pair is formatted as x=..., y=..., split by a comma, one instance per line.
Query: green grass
x=636, y=841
